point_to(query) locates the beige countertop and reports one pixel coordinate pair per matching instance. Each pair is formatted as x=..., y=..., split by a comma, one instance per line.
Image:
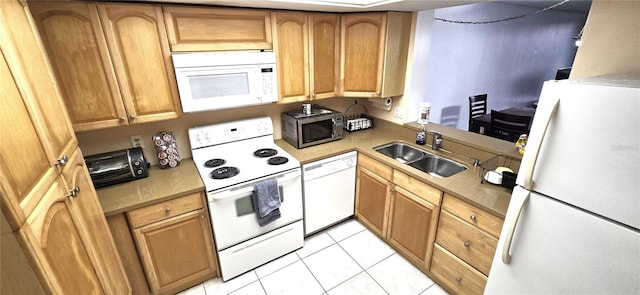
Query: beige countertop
x=161, y=185
x=462, y=146
x=165, y=184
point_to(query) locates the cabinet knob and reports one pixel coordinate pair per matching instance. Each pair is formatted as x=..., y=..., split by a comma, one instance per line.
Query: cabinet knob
x=392, y=190
x=378, y=93
x=201, y=216
x=122, y=119
x=168, y=210
x=473, y=217
x=73, y=192
x=466, y=244
x=458, y=279
x=313, y=95
x=132, y=117
x=62, y=161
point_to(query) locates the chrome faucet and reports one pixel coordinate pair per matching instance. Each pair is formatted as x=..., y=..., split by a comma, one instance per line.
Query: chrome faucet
x=437, y=141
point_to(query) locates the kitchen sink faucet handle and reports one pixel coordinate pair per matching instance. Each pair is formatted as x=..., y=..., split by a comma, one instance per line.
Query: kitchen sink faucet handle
x=437, y=141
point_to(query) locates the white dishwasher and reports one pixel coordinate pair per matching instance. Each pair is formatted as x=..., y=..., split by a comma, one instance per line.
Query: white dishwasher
x=329, y=191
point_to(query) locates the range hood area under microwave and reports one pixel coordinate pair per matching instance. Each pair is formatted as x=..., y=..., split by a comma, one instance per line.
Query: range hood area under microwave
x=220, y=80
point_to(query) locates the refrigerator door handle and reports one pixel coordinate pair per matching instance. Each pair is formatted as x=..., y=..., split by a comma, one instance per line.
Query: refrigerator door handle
x=511, y=224
x=545, y=111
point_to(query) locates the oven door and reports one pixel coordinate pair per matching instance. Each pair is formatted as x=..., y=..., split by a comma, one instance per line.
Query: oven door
x=316, y=130
x=232, y=215
x=219, y=87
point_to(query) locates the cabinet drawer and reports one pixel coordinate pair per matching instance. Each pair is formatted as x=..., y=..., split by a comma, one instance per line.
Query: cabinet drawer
x=454, y=274
x=374, y=166
x=467, y=242
x=425, y=191
x=164, y=210
x=472, y=215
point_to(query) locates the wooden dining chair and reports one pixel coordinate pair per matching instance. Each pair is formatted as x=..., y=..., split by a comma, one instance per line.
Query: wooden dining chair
x=509, y=127
x=477, y=108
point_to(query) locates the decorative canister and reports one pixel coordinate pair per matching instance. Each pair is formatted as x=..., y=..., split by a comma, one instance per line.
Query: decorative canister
x=166, y=149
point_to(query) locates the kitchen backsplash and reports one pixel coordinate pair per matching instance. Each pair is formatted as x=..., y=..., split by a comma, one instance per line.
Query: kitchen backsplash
x=110, y=139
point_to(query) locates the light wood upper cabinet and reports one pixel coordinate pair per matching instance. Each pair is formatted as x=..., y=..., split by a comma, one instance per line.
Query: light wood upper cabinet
x=113, y=73
x=74, y=40
x=175, y=244
x=374, y=48
x=140, y=52
x=205, y=29
x=307, y=50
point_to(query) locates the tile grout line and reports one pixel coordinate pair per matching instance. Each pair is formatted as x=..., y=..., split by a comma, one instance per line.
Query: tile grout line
x=313, y=275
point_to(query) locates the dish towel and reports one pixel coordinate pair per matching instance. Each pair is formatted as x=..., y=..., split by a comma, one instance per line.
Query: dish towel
x=266, y=201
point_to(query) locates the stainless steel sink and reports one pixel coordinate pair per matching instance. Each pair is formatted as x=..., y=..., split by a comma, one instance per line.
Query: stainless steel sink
x=437, y=166
x=403, y=153
x=420, y=159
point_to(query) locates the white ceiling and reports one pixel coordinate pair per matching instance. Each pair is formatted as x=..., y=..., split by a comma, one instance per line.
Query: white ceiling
x=578, y=6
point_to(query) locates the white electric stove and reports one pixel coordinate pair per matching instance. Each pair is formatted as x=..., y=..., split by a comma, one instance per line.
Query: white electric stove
x=231, y=157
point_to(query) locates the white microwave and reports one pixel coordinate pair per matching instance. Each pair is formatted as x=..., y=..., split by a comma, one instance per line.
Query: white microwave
x=221, y=80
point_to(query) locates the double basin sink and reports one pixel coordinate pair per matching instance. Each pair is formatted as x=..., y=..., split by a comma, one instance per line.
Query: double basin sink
x=420, y=159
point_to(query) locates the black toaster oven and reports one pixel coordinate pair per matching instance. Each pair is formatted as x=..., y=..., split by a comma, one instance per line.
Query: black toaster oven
x=117, y=166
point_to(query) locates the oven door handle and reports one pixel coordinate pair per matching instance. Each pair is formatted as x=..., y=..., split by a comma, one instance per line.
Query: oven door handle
x=249, y=188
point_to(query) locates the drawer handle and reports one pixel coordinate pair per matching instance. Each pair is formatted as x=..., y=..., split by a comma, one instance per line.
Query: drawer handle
x=458, y=279
x=473, y=217
x=168, y=210
x=467, y=244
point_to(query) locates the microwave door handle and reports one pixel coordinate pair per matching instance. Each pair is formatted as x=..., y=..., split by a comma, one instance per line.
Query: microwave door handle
x=333, y=129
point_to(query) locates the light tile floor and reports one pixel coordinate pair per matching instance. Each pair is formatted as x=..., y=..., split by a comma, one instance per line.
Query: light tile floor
x=344, y=259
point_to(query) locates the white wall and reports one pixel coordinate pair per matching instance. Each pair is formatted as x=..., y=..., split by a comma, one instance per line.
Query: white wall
x=508, y=60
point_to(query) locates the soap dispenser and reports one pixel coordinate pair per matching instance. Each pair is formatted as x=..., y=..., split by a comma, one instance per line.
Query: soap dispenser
x=421, y=135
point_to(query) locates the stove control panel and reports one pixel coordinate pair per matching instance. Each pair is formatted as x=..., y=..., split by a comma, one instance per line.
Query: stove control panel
x=215, y=134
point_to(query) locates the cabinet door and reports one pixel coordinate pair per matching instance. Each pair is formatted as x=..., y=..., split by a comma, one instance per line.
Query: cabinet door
x=139, y=49
x=362, y=53
x=102, y=249
x=52, y=239
x=291, y=44
x=177, y=251
x=324, y=55
x=193, y=28
x=73, y=38
x=20, y=146
x=37, y=76
x=372, y=200
x=412, y=226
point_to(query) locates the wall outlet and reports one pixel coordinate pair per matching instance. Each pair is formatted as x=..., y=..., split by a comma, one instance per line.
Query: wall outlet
x=136, y=141
x=398, y=112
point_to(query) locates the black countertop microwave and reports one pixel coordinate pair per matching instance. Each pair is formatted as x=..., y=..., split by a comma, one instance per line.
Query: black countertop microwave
x=319, y=126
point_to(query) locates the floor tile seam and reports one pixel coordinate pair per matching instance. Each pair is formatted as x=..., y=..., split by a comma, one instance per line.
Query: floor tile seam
x=365, y=268
x=314, y=252
x=238, y=288
x=425, y=290
x=279, y=269
x=374, y=279
x=349, y=236
x=313, y=275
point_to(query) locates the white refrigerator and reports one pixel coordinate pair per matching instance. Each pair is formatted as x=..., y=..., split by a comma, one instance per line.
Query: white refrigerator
x=573, y=222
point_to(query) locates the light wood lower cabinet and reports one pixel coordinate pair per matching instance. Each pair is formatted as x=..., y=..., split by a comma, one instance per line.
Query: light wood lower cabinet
x=454, y=274
x=412, y=226
x=373, y=194
x=399, y=208
x=465, y=245
x=169, y=243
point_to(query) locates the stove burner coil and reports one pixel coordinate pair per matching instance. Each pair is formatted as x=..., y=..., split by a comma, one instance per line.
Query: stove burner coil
x=277, y=160
x=214, y=163
x=265, y=153
x=224, y=172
